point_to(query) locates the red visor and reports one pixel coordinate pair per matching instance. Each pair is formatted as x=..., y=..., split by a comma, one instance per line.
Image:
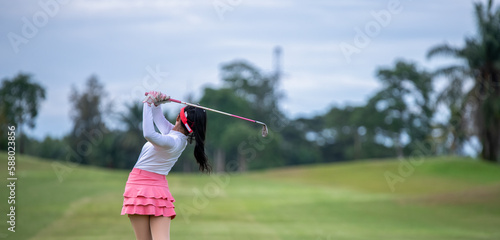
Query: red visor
x=185, y=121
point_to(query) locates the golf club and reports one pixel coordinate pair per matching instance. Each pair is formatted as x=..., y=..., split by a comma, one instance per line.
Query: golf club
x=264, y=126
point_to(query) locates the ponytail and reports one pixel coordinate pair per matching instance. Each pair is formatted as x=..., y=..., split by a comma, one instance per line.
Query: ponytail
x=197, y=119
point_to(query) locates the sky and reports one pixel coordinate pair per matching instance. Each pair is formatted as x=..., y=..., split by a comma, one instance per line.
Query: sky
x=330, y=49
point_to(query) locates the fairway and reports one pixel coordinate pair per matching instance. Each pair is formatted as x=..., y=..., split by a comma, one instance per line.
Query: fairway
x=443, y=198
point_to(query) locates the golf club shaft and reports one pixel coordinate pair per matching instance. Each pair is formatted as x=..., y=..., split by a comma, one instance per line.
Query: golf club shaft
x=214, y=110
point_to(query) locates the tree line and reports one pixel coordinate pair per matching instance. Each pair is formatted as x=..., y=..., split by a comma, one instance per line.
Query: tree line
x=403, y=118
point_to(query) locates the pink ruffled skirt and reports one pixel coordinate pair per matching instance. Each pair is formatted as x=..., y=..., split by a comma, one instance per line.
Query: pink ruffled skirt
x=147, y=193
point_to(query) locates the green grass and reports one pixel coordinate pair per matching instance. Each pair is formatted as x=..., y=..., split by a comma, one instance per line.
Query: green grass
x=443, y=198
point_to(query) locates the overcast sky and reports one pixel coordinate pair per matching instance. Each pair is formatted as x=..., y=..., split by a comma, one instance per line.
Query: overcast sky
x=331, y=49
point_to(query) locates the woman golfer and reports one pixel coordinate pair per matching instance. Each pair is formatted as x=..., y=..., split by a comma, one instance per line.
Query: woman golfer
x=147, y=199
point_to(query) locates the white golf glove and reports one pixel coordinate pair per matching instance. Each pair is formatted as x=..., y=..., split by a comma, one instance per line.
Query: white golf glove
x=156, y=98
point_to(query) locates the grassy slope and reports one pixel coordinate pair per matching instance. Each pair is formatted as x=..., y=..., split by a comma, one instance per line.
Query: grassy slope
x=443, y=198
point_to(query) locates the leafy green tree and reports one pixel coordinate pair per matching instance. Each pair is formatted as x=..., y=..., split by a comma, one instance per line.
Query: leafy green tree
x=391, y=124
x=345, y=135
x=88, y=134
x=224, y=99
x=255, y=86
x=20, y=100
x=305, y=142
x=403, y=109
x=249, y=92
x=231, y=139
x=341, y=134
x=480, y=62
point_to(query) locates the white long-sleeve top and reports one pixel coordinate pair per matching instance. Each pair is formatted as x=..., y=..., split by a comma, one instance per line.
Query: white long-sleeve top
x=163, y=149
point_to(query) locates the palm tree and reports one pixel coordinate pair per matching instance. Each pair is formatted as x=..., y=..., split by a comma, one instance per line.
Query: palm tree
x=481, y=64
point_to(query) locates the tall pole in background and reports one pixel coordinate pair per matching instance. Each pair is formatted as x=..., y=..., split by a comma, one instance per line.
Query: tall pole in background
x=277, y=63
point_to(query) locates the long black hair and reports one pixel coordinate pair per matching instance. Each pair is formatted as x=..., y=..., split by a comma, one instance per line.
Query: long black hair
x=197, y=120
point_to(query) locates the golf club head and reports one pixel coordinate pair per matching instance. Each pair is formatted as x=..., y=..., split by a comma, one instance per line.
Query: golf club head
x=264, y=130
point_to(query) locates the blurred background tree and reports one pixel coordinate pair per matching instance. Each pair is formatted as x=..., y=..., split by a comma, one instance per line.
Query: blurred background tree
x=20, y=100
x=87, y=137
x=400, y=114
x=247, y=91
x=217, y=124
x=481, y=63
x=129, y=141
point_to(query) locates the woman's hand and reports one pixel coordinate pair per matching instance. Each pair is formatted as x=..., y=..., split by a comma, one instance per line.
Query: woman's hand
x=156, y=98
x=162, y=98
